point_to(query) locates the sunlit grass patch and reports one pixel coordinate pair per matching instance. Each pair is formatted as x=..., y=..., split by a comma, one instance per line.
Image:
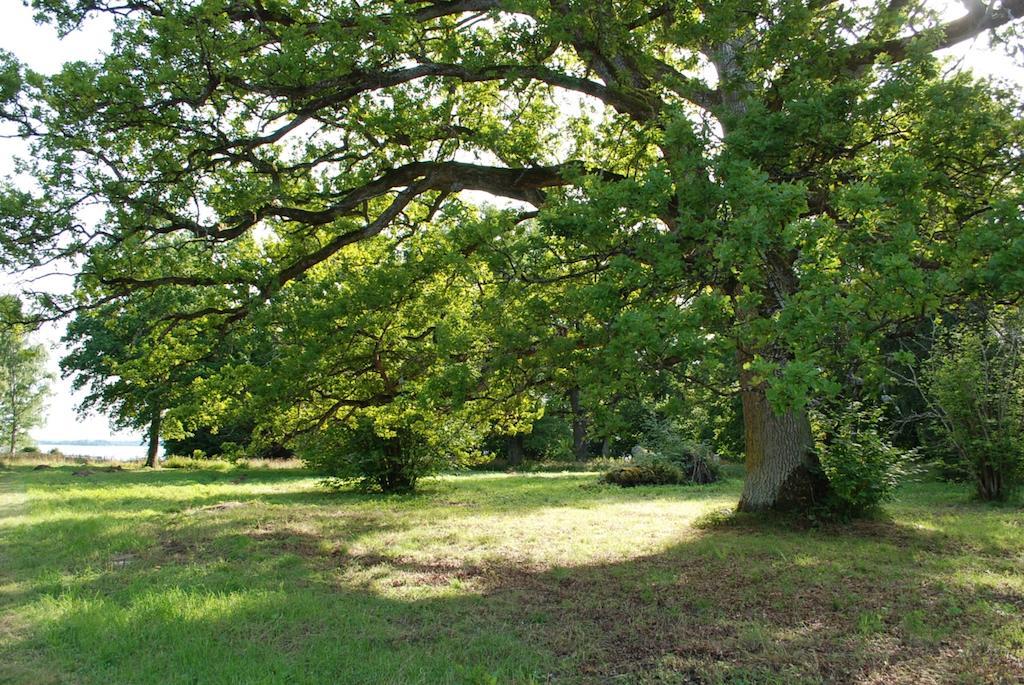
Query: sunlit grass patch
x=262, y=576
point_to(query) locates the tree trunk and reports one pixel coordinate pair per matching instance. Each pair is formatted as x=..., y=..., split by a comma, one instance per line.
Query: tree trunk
x=153, y=453
x=396, y=474
x=14, y=413
x=580, y=446
x=990, y=483
x=515, y=450
x=782, y=472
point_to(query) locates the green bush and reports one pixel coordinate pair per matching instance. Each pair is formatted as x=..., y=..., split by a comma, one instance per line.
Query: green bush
x=665, y=456
x=680, y=461
x=666, y=439
x=862, y=466
x=228, y=442
x=974, y=383
x=192, y=463
x=386, y=459
x=698, y=462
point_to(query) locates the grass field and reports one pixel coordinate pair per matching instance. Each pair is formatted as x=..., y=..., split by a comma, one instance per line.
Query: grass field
x=261, y=577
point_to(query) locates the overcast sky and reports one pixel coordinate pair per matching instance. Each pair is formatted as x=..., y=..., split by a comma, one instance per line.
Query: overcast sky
x=40, y=47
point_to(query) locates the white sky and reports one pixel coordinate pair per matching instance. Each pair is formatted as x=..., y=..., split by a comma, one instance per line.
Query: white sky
x=40, y=47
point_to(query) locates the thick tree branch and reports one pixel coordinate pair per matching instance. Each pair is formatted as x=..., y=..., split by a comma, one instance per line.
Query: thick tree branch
x=337, y=91
x=524, y=184
x=980, y=17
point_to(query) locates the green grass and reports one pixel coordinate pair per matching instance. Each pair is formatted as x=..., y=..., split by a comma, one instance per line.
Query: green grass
x=196, y=576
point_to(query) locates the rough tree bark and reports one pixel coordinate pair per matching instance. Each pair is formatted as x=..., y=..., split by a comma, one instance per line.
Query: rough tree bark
x=153, y=452
x=782, y=471
x=395, y=475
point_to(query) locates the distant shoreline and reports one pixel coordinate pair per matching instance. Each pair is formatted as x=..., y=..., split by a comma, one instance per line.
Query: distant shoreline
x=110, y=451
x=93, y=443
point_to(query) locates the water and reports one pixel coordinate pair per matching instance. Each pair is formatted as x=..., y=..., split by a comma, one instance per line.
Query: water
x=111, y=452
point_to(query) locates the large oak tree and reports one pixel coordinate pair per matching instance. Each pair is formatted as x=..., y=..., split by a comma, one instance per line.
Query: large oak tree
x=778, y=181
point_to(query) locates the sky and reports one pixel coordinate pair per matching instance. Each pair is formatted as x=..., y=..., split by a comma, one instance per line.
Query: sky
x=40, y=47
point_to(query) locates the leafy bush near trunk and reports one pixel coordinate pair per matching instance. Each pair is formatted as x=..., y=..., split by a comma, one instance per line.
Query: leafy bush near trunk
x=862, y=466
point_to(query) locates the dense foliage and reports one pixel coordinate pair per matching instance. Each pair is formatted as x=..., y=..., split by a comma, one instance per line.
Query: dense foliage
x=741, y=196
x=666, y=453
x=388, y=458
x=974, y=386
x=685, y=463
x=858, y=458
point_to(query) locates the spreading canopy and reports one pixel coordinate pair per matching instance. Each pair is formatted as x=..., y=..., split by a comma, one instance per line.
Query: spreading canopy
x=672, y=183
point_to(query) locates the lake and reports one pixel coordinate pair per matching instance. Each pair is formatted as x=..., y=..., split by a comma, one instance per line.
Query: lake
x=112, y=452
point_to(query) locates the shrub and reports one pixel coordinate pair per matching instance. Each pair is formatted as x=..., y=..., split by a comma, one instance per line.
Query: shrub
x=665, y=456
x=698, y=461
x=665, y=439
x=862, y=466
x=974, y=384
x=192, y=463
x=237, y=436
x=387, y=459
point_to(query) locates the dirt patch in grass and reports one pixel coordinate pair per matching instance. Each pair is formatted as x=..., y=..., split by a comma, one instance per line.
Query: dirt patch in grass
x=289, y=541
x=409, y=572
x=122, y=560
x=175, y=549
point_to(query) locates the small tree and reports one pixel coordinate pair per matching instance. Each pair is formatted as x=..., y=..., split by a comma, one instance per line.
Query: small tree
x=24, y=381
x=143, y=382
x=974, y=385
x=389, y=453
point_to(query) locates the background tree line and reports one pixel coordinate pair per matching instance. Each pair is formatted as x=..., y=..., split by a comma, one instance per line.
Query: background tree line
x=24, y=379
